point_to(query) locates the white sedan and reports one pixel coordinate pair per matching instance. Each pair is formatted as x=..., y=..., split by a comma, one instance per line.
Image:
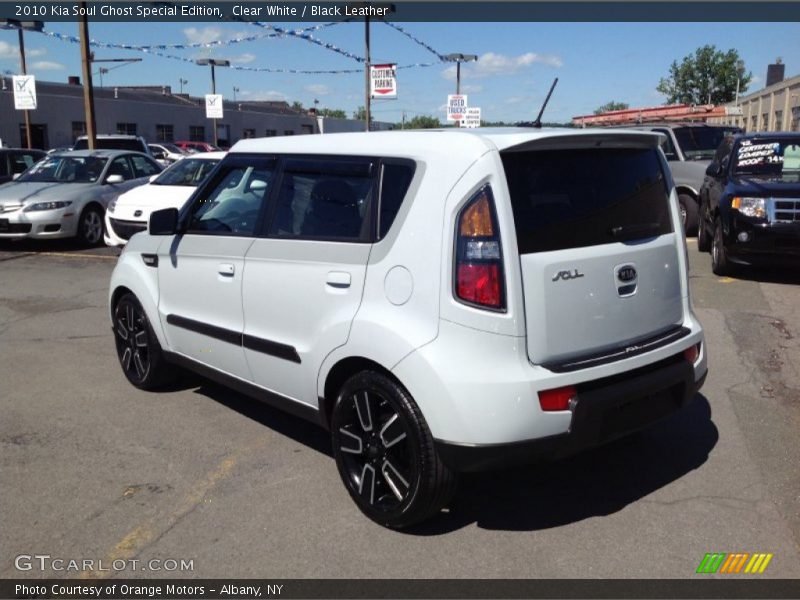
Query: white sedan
x=130, y=213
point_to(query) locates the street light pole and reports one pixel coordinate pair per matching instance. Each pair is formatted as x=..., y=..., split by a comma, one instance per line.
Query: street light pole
x=24, y=72
x=182, y=82
x=458, y=58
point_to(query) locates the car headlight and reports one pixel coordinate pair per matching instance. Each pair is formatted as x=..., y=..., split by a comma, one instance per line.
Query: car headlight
x=112, y=205
x=47, y=205
x=751, y=207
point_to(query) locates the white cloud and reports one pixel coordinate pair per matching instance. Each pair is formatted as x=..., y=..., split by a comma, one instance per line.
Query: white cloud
x=492, y=64
x=243, y=58
x=471, y=89
x=46, y=65
x=205, y=35
x=9, y=52
x=318, y=89
x=264, y=95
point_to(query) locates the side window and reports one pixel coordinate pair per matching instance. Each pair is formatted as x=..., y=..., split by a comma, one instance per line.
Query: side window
x=324, y=199
x=723, y=150
x=233, y=201
x=120, y=166
x=394, y=184
x=667, y=147
x=144, y=167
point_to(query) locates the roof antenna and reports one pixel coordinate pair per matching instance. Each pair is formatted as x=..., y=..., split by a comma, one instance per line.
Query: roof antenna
x=538, y=122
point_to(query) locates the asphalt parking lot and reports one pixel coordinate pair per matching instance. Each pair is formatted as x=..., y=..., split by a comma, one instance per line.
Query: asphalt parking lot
x=92, y=468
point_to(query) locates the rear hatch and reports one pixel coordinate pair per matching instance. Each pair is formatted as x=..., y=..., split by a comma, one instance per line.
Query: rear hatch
x=598, y=249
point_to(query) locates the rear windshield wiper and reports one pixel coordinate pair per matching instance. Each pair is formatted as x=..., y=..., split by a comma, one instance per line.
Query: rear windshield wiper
x=637, y=229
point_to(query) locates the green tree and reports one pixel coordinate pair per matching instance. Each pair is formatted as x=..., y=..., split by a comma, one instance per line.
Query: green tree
x=298, y=106
x=333, y=113
x=707, y=75
x=360, y=114
x=609, y=106
x=422, y=122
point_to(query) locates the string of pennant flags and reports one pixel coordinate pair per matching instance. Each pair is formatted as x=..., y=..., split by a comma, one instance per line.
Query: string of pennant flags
x=163, y=50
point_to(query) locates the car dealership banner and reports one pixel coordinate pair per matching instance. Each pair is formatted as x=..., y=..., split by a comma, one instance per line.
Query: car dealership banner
x=24, y=92
x=213, y=106
x=383, y=81
x=456, y=107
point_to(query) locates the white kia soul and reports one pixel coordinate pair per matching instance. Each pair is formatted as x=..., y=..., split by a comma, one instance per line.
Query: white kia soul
x=441, y=301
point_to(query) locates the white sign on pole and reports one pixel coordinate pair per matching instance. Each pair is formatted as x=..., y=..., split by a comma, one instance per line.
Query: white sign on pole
x=213, y=106
x=472, y=118
x=24, y=92
x=383, y=81
x=456, y=107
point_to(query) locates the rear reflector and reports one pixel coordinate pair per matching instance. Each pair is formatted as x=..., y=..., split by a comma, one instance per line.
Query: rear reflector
x=692, y=353
x=557, y=399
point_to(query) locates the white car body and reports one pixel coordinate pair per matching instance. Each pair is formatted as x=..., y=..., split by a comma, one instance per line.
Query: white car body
x=129, y=214
x=290, y=319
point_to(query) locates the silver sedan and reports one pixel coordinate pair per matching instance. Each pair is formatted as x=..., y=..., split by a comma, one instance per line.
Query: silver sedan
x=66, y=194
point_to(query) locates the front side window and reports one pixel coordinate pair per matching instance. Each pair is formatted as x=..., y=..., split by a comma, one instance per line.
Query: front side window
x=120, y=166
x=22, y=161
x=233, y=201
x=144, y=167
x=324, y=199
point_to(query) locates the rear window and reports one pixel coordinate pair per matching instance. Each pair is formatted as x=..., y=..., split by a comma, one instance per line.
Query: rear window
x=586, y=197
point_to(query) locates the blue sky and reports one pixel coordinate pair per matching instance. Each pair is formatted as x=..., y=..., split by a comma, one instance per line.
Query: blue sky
x=595, y=62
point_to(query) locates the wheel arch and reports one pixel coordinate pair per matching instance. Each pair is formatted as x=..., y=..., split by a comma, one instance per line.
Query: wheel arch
x=340, y=372
x=687, y=191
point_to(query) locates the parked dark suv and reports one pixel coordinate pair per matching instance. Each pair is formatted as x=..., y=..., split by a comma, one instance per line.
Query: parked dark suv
x=750, y=202
x=14, y=161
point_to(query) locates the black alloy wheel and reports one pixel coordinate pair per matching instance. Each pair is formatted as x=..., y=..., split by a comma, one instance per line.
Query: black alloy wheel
x=138, y=349
x=385, y=454
x=720, y=264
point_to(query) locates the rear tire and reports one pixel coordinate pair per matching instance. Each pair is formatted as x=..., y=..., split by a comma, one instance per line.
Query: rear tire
x=719, y=255
x=138, y=350
x=688, y=208
x=90, y=226
x=385, y=452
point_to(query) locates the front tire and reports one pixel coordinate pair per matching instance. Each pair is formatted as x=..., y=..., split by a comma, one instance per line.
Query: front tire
x=138, y=350
x=720, y=264
x=90, y=226
x=385, y=453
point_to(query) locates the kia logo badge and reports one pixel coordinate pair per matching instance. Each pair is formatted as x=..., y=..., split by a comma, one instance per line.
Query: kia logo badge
x=626, y=274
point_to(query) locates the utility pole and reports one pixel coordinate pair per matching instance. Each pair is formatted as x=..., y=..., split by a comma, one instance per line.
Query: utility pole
x=88, y=92
x=24, y=72
x=366, y=72
x=182, y=82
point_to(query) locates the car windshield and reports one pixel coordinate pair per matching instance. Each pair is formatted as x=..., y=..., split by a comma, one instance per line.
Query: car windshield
x=66, y=169
x=768, y=158
x=700, y=143
x=187, y=171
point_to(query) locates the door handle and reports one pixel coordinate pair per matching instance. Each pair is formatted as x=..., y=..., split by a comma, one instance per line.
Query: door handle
x=338, y=279
x=226, y=269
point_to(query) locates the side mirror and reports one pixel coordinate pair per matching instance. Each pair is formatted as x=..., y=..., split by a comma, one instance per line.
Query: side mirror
x=714, y=170
x=163, y=222
x=113, y=179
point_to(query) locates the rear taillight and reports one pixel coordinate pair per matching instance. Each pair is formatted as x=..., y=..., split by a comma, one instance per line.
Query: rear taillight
x=558, y=399
x=692, y=353
x=479, y=257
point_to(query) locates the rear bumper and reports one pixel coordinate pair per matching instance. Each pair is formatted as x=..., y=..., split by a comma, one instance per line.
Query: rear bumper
x=607, y=409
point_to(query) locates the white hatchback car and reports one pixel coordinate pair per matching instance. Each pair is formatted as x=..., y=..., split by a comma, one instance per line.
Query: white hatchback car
x=129, y=213
x=441, y=301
